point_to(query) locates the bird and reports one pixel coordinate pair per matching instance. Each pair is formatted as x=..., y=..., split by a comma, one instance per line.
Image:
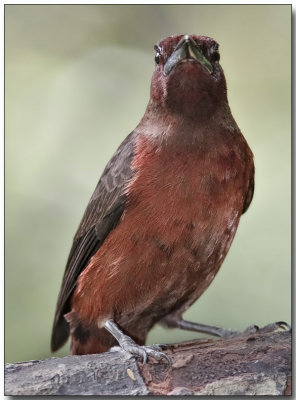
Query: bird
x=164, y=213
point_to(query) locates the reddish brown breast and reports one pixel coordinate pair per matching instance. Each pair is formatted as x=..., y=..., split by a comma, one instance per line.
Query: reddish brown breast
x=182, y=213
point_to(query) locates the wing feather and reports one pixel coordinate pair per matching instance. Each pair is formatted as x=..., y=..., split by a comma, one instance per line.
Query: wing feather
x=250, y=192
x=101, y=216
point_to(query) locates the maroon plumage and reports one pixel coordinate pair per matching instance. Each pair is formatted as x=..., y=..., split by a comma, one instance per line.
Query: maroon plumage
x=164, y=213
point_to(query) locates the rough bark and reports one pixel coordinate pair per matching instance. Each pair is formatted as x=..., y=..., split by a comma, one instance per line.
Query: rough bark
x=259, y=364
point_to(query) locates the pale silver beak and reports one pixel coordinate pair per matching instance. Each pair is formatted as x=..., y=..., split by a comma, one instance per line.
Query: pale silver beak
x=187, y=48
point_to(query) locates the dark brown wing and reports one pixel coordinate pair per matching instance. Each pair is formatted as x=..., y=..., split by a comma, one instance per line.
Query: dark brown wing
x=101, y=216
x=251, y=187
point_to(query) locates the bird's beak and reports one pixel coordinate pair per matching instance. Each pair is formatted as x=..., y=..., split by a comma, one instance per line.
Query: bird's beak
x=186, y=49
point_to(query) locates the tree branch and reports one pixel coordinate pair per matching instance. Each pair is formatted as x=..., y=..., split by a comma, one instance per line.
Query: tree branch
x=259, y=364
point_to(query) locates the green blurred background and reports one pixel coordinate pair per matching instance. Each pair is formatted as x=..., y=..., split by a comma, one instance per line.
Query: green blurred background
x=77, y=82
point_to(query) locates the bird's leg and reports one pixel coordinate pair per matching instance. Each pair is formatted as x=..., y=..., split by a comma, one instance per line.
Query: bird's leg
x=130, y=346
x=175, y=321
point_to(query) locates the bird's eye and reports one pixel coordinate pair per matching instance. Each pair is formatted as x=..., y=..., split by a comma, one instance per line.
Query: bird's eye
x=214, y=53
x=157, y=54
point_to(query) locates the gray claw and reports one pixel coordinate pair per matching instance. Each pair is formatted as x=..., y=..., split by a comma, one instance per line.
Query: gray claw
x=153, y=351
x=273, y=327
x=167, y=358
x=283, y=325
x=251, y=329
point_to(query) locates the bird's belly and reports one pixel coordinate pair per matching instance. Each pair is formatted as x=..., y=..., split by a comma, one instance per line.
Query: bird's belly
x=173, y=236
x=175, y=254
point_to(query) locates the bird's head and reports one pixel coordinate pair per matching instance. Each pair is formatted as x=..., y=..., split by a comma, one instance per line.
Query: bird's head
x=188, y=78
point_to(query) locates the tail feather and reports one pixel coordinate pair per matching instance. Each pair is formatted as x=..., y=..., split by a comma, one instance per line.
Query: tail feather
x=60, y=334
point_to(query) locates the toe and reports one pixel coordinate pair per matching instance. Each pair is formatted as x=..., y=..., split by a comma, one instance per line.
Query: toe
x=143, y=351
x=251, y=329
x=143, y=355
x=138, y=351
x=275, y=326
x=283, y=325
x=158, y=355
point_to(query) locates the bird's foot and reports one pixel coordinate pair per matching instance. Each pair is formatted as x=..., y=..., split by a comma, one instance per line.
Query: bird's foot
x=172, y=321
x=142, y=352
x=254, y=329
x=128, y=345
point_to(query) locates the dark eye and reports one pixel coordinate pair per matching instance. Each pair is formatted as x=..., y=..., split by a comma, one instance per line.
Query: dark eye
x=214, y=53
x=157, y=54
